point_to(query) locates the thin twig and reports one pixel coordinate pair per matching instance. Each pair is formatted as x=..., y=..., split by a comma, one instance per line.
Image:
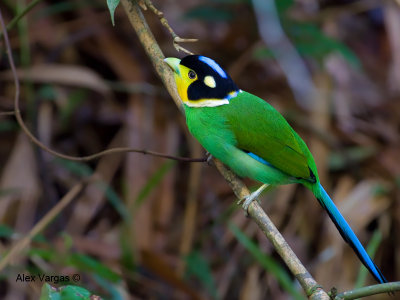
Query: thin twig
x=18, y=17
x=175, y=38
x=152, y=49
x=382, y=288
x=7, y=113
x=23, y=126
x=23, y=243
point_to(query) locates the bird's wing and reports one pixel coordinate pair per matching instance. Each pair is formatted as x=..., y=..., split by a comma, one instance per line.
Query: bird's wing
x=261, y=130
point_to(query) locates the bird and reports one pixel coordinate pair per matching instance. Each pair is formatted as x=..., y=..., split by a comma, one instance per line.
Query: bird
x=252, y=138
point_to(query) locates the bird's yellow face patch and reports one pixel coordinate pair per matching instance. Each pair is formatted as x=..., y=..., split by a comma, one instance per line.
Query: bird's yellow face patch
x=210, y=81
x=183, y=79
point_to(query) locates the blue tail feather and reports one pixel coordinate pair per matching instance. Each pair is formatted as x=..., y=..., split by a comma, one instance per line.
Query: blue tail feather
x=347, y=233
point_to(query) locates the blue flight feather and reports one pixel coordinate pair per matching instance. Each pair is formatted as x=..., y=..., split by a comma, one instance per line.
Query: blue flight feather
x=348, y=234
x=263, y=161
x=213, y=65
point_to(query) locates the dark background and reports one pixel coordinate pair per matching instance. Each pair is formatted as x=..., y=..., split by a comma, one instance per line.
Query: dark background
x=158, y=229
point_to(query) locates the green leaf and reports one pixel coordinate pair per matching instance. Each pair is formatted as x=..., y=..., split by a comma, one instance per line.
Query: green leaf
x=112, y=5
x=283, y=5
x=46, y=254
x=77, y=168
x=68, y=292
x=266, y=262
x=47, y=92
x=49, y=293
x=127, y=249
x=82, y=262
x=198, y=266
x=153, y=182
x=110, y=288
x=209, y=13
x=62, y=7
x=84, y=170
x=263, y=53
x=75, y=100
x=8, y=125
x=116, y=202
x=352, y=155
x=311, y=41
x=68, y=240
x=6, y=231
x=88, y=264
x=72, y=292
x=372, y=247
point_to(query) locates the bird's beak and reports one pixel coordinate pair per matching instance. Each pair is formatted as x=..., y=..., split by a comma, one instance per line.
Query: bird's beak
x=173, y=63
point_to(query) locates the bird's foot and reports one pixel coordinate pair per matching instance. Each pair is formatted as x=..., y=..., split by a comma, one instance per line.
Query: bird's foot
x=250, y=198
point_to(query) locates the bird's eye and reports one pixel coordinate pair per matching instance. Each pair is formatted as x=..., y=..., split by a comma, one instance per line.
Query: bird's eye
x=192, y=74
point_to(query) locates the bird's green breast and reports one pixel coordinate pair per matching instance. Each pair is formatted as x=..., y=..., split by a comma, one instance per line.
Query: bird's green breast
x=210, y=127
x=252, y=125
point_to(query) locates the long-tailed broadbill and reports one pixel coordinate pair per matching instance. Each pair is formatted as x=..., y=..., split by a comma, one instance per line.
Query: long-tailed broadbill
x=252, y=138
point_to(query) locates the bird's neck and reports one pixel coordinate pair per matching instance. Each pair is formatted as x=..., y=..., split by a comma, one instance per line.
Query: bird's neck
x=213, y=102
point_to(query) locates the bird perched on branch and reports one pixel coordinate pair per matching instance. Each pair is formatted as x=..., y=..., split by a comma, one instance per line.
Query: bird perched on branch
x=252, y=138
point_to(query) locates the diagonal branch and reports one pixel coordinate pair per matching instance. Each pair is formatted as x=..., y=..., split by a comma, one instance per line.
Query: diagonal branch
x=310, y=286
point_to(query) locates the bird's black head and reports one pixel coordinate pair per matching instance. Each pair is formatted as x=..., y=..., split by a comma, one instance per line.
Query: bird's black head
x=202, y=82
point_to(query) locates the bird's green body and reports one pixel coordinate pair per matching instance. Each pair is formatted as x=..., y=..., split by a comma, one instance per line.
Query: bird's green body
x=251, y=137
x=249, y=124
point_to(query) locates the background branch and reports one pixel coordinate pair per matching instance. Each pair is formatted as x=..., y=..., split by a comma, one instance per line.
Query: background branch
x=37, y=142
x=23, y=243
x=389, y=287
x=310, y=286
x=286, y=55
x=19, y=16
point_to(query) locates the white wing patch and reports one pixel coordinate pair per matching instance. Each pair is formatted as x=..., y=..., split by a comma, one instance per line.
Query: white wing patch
x=210, y=81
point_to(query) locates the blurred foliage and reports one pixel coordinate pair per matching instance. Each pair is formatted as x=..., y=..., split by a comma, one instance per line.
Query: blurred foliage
x=372, y=247
x=81, y=262
x=83, y=170
x=151, y=228
x=266, y=262
x=5, y=231
x=209, y=13
x=307, y=37
x=198, y=266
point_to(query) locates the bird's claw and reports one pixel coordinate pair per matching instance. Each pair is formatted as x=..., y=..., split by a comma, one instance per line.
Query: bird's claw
x=247, y=200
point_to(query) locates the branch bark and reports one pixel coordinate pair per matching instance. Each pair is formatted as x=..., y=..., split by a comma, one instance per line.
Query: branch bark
x=389, y=287
x=310, y=286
